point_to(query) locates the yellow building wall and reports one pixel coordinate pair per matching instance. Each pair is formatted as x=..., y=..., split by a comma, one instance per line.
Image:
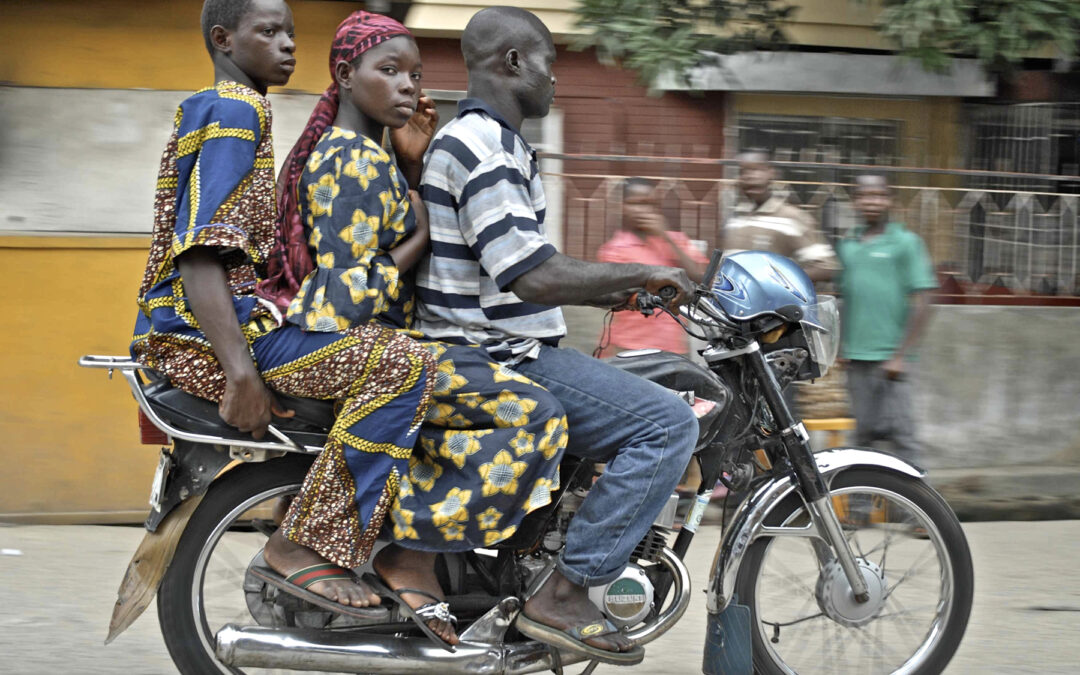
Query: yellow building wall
x=122, y=44
x=69, y=435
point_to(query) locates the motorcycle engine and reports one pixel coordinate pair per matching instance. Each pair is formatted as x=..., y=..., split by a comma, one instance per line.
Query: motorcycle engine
x=627, y=600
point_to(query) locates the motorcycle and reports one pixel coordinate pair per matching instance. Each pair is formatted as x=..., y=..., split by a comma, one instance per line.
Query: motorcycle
x=843, y=560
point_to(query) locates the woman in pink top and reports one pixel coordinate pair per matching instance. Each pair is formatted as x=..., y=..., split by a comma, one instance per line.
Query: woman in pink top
x=645, y=239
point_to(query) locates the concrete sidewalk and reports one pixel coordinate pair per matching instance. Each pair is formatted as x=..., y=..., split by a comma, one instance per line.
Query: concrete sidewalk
x=996, y=493
x=1010, y=492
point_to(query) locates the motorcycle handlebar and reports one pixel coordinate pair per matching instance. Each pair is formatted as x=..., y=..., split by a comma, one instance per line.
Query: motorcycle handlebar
x=645, y=302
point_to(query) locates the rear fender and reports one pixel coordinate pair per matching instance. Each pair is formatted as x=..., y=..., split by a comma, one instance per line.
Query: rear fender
x=148, y=566
x=749, y=520
x=193, y=466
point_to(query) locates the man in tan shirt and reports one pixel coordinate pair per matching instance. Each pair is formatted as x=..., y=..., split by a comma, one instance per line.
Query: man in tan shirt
x=764, y=221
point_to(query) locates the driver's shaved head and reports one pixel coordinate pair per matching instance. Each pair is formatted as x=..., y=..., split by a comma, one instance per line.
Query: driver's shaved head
x=493, y=31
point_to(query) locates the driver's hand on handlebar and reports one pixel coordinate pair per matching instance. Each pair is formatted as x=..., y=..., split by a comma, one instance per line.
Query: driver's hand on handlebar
x=622, y=300
x=249, y=405
x=674, y=277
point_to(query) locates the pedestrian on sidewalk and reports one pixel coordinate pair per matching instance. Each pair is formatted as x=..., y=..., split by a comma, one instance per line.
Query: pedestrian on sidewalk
x=765, y=221
x=645, y=238
x=886, y=277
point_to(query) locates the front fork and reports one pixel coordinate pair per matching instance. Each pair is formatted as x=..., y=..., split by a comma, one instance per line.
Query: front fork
x=811, y=484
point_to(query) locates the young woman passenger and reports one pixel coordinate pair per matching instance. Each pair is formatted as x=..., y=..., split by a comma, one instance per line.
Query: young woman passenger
x=365, y=232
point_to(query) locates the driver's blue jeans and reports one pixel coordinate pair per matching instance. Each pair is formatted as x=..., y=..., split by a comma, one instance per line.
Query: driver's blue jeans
x=646, y=435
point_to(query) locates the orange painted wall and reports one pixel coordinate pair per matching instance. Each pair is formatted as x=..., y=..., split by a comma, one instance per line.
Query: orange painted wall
x=119, y=44
x=69, y=436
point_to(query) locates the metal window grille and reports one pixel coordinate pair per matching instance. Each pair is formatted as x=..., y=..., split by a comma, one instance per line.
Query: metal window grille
x=836, y=140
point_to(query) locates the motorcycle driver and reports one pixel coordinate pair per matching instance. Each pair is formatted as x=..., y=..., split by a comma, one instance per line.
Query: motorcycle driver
x=493, y=279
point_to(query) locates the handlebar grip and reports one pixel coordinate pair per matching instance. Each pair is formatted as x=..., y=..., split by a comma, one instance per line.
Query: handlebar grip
x=668, y=293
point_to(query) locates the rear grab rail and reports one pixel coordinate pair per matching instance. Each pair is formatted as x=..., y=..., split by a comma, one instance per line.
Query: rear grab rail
x=129, y=367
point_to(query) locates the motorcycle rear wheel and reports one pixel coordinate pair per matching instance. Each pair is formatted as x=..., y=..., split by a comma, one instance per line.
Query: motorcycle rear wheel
x=203, y=587
x=900, y=530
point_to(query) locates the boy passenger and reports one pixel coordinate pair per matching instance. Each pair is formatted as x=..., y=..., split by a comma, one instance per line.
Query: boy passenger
x=211, y=314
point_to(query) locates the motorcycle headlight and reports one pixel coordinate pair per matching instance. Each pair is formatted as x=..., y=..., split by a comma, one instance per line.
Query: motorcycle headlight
x=821, y=326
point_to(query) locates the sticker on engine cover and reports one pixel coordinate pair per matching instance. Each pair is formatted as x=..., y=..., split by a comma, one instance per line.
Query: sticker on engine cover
x=697, y=511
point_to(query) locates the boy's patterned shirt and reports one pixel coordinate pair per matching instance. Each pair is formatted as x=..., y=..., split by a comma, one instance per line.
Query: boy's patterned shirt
x=215, y=188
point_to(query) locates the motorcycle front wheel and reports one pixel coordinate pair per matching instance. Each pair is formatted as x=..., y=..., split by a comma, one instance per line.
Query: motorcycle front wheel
x=911, y=549
x=203, y=588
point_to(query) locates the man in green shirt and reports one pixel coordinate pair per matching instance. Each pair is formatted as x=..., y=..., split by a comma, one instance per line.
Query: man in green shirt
x=886, y=275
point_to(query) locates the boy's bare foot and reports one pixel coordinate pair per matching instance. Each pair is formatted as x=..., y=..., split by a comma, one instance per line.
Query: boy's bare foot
x=562, y=604
x=404, y=568
x=286, y=558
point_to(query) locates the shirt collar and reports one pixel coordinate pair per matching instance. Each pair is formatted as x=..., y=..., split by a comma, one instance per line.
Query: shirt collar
x=891, y=227
x=468, y=105
x=230, y=85
x=770, y=205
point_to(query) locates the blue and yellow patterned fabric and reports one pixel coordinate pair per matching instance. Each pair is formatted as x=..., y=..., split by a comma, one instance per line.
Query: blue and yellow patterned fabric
x=215, y=188
x=356, y=208
x=488, y=455
x=489, y=450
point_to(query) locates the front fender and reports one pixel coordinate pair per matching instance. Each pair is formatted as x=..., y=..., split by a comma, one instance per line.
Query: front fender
x=749, y=519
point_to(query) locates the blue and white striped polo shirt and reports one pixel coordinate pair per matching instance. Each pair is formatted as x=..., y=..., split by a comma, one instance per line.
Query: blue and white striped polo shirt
x=486, y=206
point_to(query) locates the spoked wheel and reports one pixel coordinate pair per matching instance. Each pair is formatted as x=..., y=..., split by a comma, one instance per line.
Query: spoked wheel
x=204, y=588
x=915, y=558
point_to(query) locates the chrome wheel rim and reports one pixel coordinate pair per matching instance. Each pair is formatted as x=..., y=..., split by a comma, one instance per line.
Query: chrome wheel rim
x=217, y=592
x=882, y=528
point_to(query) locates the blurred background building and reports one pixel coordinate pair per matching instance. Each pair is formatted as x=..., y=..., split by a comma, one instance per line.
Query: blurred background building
x=987, y=172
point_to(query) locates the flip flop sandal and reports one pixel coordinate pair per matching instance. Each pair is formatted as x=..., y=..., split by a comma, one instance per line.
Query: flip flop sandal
x=296, y=584
x=572, y=639
x=438, y=609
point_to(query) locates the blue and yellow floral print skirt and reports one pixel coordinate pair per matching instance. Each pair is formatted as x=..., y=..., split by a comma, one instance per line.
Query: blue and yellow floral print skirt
x=489, y=453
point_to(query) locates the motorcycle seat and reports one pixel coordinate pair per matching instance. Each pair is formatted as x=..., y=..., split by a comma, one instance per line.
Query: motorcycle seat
x=192, y=414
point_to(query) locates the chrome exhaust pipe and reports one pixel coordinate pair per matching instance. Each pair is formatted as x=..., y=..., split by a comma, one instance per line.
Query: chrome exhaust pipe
x=350, y=652
x=309, y=649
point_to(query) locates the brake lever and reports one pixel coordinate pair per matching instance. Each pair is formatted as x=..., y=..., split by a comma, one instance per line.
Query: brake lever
x=644, y=302
x=647, y=302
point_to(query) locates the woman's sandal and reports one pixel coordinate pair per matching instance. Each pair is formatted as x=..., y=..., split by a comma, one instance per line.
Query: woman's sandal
x=439, y=609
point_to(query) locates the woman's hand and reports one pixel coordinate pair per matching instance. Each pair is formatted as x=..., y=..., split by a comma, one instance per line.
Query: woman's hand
x=420, y=212
x=411, y=141
x=409, y=251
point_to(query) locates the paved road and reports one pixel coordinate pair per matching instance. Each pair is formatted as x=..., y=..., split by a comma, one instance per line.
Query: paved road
x=57, y=594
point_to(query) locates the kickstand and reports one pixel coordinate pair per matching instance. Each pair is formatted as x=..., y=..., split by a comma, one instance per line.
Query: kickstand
x=556, y=660
x=589, y=668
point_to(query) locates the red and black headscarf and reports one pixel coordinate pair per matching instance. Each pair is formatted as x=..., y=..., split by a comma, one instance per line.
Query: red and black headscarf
x=290, y=260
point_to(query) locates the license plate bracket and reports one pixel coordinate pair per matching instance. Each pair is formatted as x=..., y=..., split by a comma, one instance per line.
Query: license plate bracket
x=161, y=476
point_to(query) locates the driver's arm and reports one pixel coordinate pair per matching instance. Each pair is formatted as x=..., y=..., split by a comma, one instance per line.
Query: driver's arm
x=562, y=280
